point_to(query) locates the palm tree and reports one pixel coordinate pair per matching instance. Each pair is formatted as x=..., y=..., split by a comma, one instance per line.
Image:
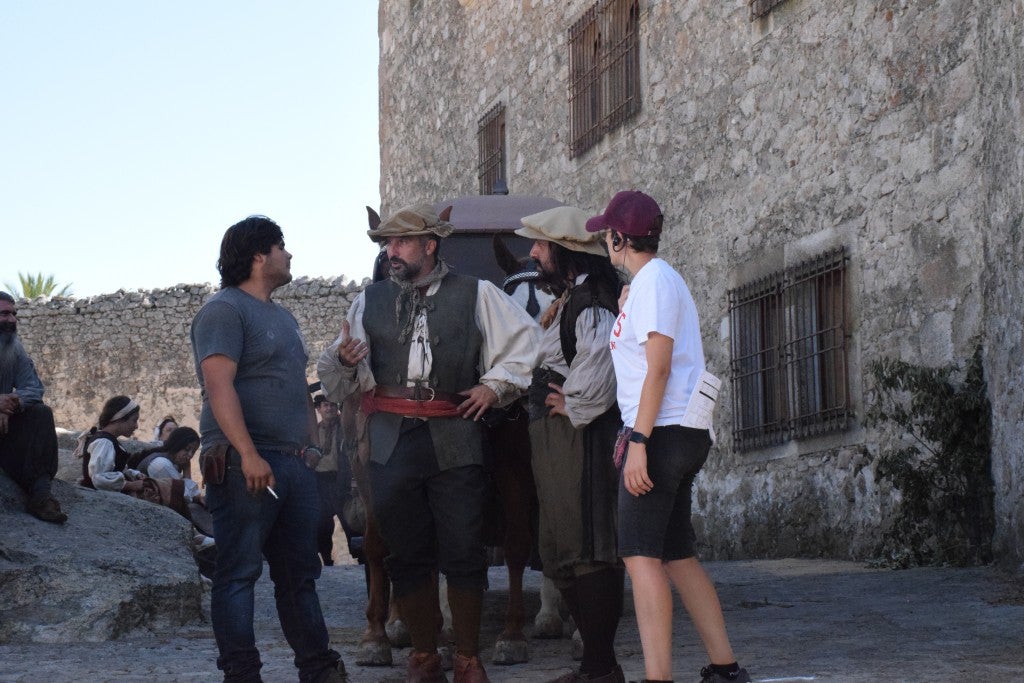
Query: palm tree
x=37, y=285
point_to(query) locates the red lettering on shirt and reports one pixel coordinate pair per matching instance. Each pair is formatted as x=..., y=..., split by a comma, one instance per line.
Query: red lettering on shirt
x=617, y=330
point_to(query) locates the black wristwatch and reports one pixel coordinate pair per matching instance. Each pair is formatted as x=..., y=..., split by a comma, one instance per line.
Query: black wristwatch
x=638, y=437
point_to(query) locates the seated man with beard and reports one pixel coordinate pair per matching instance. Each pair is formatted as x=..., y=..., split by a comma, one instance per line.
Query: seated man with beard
x=28, y=439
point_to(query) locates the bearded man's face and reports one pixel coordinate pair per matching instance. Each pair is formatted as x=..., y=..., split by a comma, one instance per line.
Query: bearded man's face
x=8, y=322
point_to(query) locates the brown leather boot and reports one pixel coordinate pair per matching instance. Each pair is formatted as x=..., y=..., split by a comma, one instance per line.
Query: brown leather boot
x=469, y=670
x=425, y=667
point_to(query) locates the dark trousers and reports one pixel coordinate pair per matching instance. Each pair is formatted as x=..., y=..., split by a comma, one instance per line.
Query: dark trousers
x=28, y=452
x=429, y=518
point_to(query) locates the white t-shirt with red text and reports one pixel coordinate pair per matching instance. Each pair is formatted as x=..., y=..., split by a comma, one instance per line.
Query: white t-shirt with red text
x=659, y=301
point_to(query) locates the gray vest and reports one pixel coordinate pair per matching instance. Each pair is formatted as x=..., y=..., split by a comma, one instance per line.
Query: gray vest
x=455, y=342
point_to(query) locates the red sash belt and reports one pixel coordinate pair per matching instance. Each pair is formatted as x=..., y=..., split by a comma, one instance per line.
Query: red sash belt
x=420, y=402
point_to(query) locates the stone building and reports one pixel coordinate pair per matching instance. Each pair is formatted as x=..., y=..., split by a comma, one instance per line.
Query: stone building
x=841, y=181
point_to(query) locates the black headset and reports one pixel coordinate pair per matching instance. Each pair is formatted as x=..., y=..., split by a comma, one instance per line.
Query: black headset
x=616, y=240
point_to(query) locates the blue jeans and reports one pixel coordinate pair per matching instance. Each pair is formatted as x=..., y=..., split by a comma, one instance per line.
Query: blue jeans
x=248, y=528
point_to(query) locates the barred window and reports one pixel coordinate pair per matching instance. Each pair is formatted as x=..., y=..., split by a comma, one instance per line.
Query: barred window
x=491, y=143
x=761, y=8
x=604, y=71
x=789, y=365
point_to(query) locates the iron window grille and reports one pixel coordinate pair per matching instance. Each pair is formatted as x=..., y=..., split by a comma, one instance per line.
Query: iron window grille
x=789, y=369
x=604, y=71
x=491, y=144
x=761, y=8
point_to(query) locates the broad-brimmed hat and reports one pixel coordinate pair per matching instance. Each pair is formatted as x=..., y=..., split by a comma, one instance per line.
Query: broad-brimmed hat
x=417, y=219
x=565, y=225
x=631, y=213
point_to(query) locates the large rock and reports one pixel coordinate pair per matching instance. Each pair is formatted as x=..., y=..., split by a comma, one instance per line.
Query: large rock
x=117, y=566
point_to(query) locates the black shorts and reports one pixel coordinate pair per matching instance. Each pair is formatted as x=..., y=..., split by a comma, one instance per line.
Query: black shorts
x=657, y=524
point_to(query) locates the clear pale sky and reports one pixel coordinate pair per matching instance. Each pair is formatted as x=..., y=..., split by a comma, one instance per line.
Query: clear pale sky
x=133, y=133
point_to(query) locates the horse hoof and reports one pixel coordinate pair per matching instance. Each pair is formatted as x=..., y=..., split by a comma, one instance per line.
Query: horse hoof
x=374, y=654
x=548, y=626
x=398, y=634
x=577, y=646
x=511, y=652
x=447, y=654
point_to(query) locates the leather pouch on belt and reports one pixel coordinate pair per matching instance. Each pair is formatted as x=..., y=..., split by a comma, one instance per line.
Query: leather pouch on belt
x=213, y=463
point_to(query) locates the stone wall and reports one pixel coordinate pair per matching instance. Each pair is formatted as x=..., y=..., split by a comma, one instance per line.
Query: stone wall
x=889, y=127
x=1002, y=32
x=137, y=343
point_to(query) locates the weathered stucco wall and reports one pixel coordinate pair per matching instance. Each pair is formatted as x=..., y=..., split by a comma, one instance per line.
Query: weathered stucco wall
x=137, y=344
x=867, y=124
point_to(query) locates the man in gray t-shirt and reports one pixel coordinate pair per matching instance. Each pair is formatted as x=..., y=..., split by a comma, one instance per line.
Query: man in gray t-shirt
x=263, y=339
x=251, y=364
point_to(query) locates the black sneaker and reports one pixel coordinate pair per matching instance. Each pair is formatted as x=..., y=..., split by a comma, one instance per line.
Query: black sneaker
x=46, y=508
x=708, y=675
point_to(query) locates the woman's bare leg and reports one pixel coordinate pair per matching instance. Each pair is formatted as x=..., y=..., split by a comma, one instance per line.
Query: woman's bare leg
x=652, y=599
x=701, y=601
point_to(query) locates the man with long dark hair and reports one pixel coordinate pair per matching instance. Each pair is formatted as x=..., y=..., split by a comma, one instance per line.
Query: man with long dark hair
x=257, y=415
x=573, y=421
x=28, y=439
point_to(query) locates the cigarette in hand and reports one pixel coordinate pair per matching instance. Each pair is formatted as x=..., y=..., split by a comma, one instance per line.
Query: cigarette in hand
x=273, y=493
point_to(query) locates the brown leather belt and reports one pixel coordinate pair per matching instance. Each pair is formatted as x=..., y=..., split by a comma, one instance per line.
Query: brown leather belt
x=418, y=394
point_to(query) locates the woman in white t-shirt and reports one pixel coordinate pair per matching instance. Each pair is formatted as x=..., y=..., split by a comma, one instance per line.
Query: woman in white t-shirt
x=658, y=358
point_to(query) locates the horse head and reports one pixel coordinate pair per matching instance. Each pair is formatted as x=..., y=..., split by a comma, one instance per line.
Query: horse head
x=523, y=282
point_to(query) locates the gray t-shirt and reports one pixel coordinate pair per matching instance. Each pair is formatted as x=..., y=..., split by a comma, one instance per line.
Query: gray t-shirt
x=264, y=339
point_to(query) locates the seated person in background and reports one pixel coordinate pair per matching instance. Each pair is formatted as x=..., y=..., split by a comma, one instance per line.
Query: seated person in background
x=164, y=428
x=169, y=460
x=105, y=461
x=168, y=463
x=28, y=439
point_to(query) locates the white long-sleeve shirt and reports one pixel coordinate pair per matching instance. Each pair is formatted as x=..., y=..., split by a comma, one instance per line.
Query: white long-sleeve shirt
x=508, y=353
x=589, y=386
x=162, y=468
x=101, y=467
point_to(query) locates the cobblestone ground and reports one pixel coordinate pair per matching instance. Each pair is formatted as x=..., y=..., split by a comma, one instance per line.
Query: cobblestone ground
x=789, y=620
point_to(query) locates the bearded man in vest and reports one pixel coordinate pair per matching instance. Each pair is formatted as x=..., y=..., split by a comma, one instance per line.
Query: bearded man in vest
x=431, y=351
x=573, y=425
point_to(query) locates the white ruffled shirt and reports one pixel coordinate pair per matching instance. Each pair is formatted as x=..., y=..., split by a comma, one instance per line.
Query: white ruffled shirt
x=509, y=351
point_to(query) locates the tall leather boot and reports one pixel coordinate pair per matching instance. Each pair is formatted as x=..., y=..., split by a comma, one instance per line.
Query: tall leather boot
x=466, y=604
x=600, y=598
x=419, y=610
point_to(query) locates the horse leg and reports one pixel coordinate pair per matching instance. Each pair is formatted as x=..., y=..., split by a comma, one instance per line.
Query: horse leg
x=514, y=479
x=375, y=647
x=548, y=623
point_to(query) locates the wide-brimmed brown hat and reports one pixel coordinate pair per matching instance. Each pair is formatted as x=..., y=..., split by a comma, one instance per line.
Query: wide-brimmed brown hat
x=565, y=225
x=417, y=219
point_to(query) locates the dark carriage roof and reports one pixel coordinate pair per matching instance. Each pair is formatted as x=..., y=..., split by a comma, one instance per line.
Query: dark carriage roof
x=493, y=213
x=477, y=219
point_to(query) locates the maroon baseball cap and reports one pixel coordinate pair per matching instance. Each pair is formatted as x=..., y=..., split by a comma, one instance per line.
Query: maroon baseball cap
x=630, y=212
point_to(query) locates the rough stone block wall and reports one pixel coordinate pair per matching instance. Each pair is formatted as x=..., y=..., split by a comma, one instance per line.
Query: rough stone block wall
x=137, y=343
x=1002, y=31
x=866, y=124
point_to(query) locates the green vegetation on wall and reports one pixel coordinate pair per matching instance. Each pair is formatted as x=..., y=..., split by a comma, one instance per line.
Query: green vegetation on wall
x=942, y=468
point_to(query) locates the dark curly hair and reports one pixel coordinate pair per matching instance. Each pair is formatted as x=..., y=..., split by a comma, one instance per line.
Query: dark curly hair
x=242, y=241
